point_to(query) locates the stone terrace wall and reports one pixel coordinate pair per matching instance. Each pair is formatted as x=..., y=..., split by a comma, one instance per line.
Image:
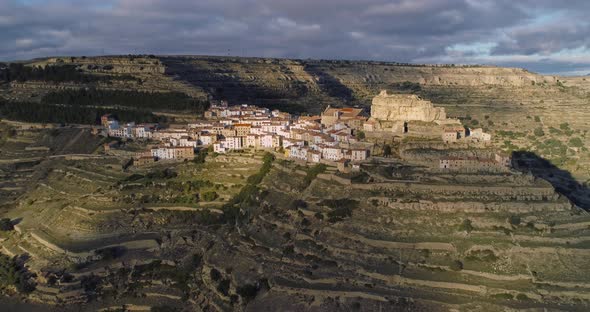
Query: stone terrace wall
x=476, y=207
x=484, y=192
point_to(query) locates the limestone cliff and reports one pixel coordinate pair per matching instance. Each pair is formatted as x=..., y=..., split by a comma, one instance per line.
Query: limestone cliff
x=404, y=107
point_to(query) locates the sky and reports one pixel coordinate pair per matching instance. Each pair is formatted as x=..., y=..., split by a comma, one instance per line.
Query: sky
x=544, y=36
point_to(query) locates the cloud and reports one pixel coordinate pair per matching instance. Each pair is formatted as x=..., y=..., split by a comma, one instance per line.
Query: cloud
x=456, y=31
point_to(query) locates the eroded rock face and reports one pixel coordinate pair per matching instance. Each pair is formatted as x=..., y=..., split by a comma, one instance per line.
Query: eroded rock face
x=404, y=107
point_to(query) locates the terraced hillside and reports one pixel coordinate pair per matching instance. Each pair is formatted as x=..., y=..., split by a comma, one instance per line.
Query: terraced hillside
x=395, y=236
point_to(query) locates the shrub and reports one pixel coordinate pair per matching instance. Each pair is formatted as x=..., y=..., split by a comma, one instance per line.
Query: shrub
x=110, y=253
x=305, y=222
x=456, y=265
x=11, y=274
x=564, y=126
x=576, y=142
x=247, y=292
x=506, y=296
x=223, y=287
x=360, y=135
x=537, y=119
x=539, y=132
x=6, y=225
x=209, y=196
x=215, y=274
x=201, y=156
x=341, y=208
x=90, y=283
x=522, y=297
x=298, y=203
x=466, y=226
x=386, y=150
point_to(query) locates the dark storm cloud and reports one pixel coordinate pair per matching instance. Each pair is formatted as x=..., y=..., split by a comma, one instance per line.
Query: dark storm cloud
x=403, y=30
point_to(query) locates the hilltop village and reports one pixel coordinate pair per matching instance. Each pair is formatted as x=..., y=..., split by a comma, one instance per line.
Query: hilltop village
x=342, y=137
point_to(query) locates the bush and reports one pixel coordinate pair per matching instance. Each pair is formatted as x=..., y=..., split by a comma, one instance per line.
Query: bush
x=537, y=119
x=209, y=196
x=110, y=253
x=576, y=142
x=506, y=296
x=341, y=208
x=201, y=156
x=386, y=150
x=215, y=274
x=305, y=222
x=11, y=274
x=247, y=292
x=318, y=215
x=539, y=132
x=298, y=203
x=466, y=226
x=360, y=135
x=6, y=225
x=456, y=265
x=522, y=297
x=223, y=287
x=564, y=126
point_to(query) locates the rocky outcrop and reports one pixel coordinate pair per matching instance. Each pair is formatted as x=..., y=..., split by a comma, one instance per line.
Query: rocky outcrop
x=404, y=107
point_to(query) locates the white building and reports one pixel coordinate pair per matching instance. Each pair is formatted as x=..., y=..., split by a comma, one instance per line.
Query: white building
x=228, y=144
x=333, y=153
x=298, y=152
x=359, y=154
x=252, y=140
x=479, y=135
x=270, y=141
x=207, y=138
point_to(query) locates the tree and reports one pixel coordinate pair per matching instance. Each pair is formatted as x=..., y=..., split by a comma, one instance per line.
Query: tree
x=466, y=226
x=386, y=150
x=360, y=135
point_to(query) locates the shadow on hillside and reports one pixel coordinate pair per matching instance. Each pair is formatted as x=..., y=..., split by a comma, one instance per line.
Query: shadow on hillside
x=329, y=84
x=222, y=82
x=562, y=180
